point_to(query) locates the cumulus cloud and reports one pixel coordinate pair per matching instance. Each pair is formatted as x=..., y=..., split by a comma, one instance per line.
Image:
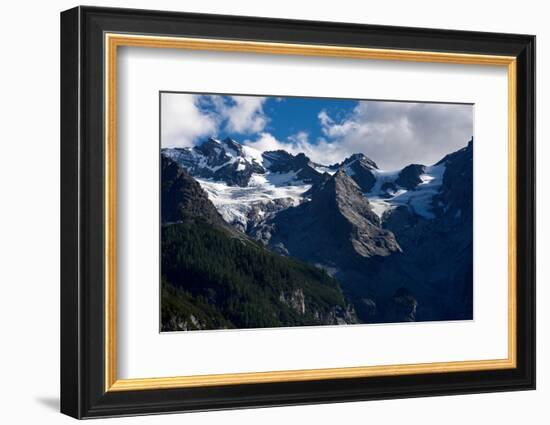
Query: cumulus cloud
x=267, y=142
x=395, y=134
x=244, y=114
x=300, y=138
x=182, y=120
x=187, y=118
x=236, y=114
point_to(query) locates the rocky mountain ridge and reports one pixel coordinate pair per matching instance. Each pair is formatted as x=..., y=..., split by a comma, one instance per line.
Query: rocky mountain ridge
x=399, y=242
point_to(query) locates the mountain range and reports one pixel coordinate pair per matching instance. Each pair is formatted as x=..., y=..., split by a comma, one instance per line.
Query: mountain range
x=398, y=244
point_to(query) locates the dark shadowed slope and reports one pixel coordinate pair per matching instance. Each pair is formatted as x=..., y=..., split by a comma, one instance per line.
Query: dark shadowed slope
x=216, y=277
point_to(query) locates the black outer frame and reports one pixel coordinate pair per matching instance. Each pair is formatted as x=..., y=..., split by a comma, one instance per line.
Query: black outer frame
x=82, y=206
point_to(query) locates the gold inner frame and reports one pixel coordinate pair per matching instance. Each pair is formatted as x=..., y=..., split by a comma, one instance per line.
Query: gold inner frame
x=113, y=41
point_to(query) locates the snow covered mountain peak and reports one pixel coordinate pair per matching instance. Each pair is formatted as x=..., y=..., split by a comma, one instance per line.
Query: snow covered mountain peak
x=358, y=157
x=247, y=185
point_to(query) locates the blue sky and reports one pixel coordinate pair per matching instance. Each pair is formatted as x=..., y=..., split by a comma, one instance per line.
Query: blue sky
x=288, y=116
x=393, y=134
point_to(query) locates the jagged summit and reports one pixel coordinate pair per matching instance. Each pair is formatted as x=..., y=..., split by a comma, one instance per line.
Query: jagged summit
x=358, y=157
x=233, y=145
x=282, y=161
x=337, y=223
x=266, y=182
x=468, y=149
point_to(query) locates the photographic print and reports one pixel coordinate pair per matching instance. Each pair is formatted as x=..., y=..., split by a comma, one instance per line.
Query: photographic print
x=281, y=211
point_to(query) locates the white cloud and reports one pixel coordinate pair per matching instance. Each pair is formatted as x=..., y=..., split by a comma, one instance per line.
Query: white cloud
x=267, y=142
x=247, y=115
x=395, y=134
x=324, y=119
x=186, y=118
x=324, y=152
x=241, y=114
x=182, y=121
x=300, y=138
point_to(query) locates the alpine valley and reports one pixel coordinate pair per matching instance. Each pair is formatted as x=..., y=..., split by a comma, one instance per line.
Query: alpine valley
x=266, y=239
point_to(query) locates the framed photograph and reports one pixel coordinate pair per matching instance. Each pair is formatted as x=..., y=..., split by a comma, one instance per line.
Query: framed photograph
x=261, y=212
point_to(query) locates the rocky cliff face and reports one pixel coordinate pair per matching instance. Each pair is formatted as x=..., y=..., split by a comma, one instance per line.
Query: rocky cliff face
x=282, y=162
x=432, y=276
x=410, y=176
x=361, y=169
x=334, y=227
x=438, y=252
x=183, y=199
